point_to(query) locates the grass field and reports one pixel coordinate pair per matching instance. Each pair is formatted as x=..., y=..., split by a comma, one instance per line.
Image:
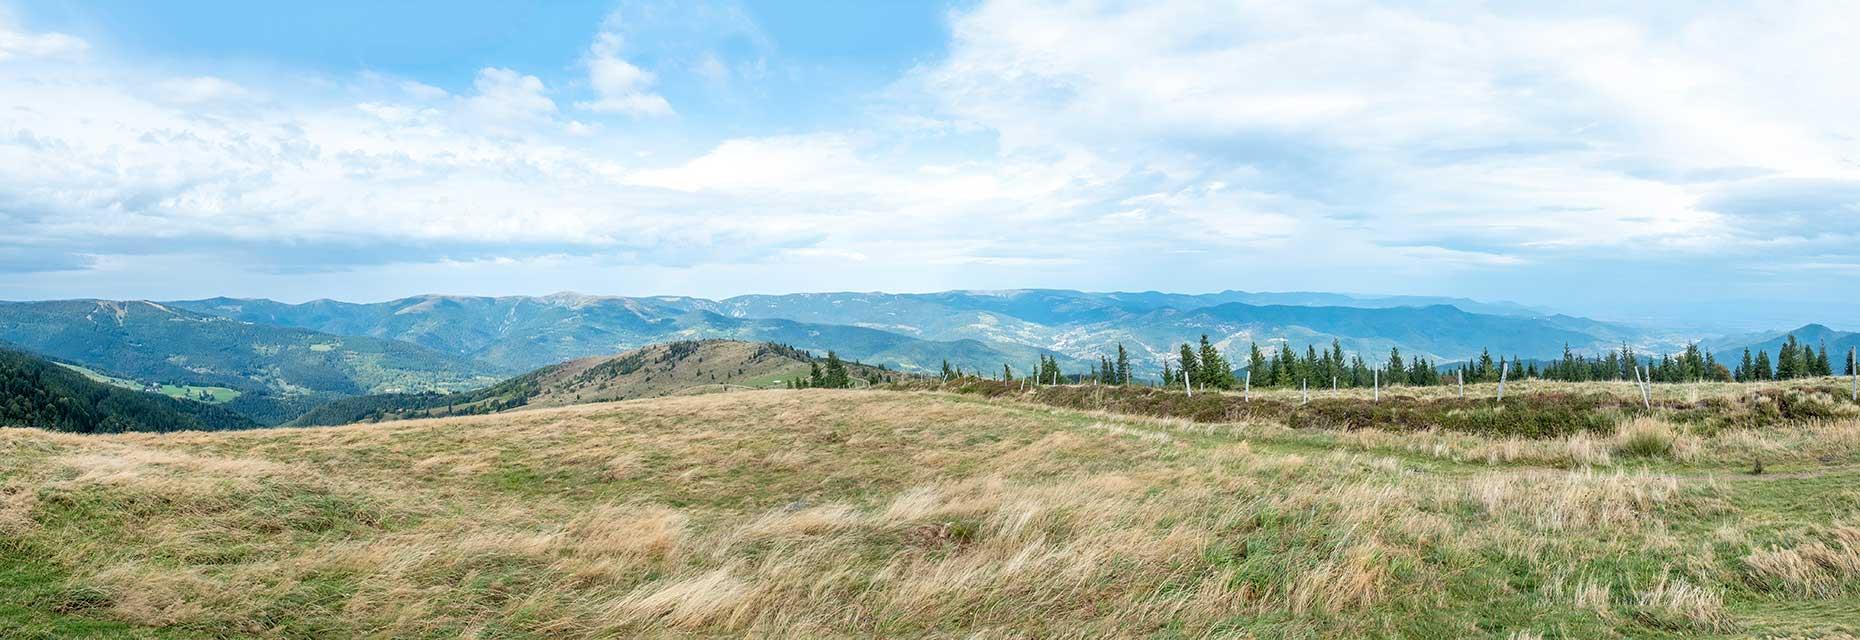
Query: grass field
x=212, y=395
x=934, y=514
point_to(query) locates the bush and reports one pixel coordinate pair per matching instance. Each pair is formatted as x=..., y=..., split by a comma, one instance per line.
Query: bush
x=1645, y=438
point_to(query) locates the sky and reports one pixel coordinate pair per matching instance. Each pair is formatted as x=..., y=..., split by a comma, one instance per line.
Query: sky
x=1693, y=164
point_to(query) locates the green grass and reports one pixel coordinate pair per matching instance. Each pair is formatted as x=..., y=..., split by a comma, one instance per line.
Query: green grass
x=874, y=513
x=39, y=601
x=213, y=395
x=209, y=395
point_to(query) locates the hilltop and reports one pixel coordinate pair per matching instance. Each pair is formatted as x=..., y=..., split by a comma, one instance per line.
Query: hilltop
x=674, y=368
x=868, y=513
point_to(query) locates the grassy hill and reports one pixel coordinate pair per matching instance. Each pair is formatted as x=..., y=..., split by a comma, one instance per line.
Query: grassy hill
x=870, y=513
x=35, y=392
x=674, y=368
x=280, y=371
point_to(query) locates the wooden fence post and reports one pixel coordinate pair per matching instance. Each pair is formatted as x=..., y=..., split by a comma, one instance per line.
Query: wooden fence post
x=1249, y=386
x=1375, y=378
x=1503, y=371
x=1304, y=389
x=1461, y=374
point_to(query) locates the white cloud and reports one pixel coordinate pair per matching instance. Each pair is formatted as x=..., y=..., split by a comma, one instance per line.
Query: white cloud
x=1527, y=128
x=507, y=95
x=1100, y=145
x=200, y=89
x=621, y=87
x=20, y=44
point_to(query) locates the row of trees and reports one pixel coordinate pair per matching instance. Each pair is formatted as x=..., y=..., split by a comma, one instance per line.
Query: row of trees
x=1203, y=366
x=1793, y=360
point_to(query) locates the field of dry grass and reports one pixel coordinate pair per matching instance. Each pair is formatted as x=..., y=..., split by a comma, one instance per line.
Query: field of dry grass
x=915, y=514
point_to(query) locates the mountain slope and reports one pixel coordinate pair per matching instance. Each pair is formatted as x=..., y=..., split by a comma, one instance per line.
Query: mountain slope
x=35, y=392
x=277, y=367
x=674, y=368
x=523, y=332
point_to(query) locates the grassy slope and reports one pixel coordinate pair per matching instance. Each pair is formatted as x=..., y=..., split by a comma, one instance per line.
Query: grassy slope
x=860, y=513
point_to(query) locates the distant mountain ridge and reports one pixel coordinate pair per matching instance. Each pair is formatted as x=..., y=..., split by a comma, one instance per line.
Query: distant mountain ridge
x=517, y=332
x=971, y=329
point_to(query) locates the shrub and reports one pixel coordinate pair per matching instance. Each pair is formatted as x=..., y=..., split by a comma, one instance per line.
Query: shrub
x=1645, y=438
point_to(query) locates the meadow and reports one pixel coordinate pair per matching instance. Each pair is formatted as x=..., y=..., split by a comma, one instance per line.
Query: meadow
x=965, y=510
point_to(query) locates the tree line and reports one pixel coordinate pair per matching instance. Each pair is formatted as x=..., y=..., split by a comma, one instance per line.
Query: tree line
x=1203, y=366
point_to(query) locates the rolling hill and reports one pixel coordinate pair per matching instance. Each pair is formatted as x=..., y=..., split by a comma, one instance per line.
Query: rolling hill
x=35, y=392
x=281, y=370
x=674, y=368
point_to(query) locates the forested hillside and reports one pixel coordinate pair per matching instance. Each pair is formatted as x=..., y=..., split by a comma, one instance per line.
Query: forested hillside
x=35, y=392
x=281, y=370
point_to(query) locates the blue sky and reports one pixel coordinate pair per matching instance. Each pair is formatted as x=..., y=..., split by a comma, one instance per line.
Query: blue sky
x=1672, y=162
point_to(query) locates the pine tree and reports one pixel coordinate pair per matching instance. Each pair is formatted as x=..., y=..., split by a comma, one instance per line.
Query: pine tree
x=1745, y=370
x=815, y=378
x=1256, y=364
x=1286, y=373
x=835, y=375
x=1789, y=360
x=1396, y=372
x=1214, y=369
x=1822, y=366
x=1763, y=371
x=1123, y=365
x=1191, y=367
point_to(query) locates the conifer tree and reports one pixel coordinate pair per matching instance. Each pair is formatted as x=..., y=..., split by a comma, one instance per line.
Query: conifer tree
x=1745, y=369
x=1789, y=360
x=1763, y=371
x=1396, y=372
x=835, y=375
x=1191, y=367
x=1822, y=366
x=1256, y=364
x=1214, y=369
x=1123, y=365
x=815, y=378
x=1286, y=373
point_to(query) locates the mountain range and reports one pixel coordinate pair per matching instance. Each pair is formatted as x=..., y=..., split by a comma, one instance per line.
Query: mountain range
x=285, y=359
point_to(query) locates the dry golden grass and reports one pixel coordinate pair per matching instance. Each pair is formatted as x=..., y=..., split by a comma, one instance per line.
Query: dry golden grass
x=864, y=513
